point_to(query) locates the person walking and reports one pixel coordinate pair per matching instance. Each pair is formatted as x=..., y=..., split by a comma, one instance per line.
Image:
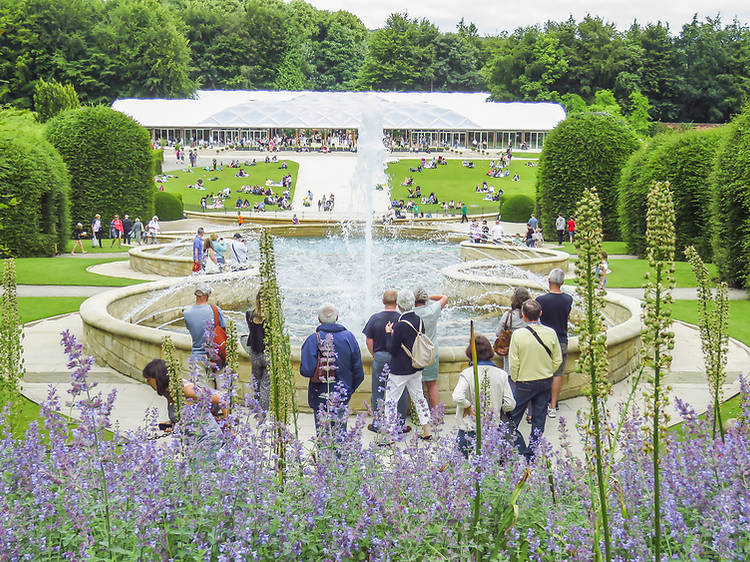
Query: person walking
x=534, y=357
x=127, y=229
x=378, y=344
x=256, y=348
x=464, y=213
x=78, y=235
x=403, y=373
x=198, y=250
x=571, y=228
x=348, y=372
x=428, y=308
x=556, y=306
x=153, y=229
x=117, y=228
x=96, y=231
x=138, y=231
x=560, y=227
x=499, y=394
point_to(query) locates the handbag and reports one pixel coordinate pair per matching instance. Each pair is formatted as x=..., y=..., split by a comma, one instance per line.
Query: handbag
x=220, y=339
x=502, y=343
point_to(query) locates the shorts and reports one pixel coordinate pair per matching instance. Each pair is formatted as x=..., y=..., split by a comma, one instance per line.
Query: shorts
x=561, y=368
x=430, y=373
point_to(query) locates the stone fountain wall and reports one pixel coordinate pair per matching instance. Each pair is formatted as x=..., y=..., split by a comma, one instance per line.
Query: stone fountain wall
x=536, y=260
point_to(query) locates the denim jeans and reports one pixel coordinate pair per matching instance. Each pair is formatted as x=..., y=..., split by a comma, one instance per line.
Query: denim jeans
x=379, y=360
x=466, y=442
x=538, y=394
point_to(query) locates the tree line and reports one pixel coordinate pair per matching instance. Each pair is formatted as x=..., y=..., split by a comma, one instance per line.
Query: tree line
x=169, y=48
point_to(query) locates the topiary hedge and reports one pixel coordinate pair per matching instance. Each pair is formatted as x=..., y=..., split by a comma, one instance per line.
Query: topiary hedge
x=168, y=206
x=157, y=158
x=685, y=160
x=730, y=189
x=585, y=150
x=34, y=175
x=109, y=159
x=517, y=208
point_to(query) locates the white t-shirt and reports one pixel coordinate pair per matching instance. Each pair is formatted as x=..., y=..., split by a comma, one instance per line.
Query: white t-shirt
x=497, y=232
x=239, y=252
x=560, y=223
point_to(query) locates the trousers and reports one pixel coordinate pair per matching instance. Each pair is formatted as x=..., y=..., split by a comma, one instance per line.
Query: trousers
x=413, y=384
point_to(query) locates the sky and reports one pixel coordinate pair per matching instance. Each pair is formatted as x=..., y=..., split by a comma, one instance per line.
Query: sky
x=493, y=16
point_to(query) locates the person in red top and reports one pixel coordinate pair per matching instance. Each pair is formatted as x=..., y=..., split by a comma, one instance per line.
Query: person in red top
x=119, y=231
x=571, y=229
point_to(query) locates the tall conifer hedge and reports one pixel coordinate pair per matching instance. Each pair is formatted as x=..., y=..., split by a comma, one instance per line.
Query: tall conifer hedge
x=585, y=150
x=730, y=188
x=109, y=159
x=685, y=160
x=34, y=188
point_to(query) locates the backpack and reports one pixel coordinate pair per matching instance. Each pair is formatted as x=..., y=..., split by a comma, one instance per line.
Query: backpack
x=502, y=343
x=220, y=340
x=423, y=351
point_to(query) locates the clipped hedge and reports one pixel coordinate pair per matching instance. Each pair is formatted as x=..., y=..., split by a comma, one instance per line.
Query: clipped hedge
x=33, y=173
x=157, y=158
x=109, y=159
x=586, y=150
x=517, y=208
x=685, y=160
x=730, y=188
x=168, y=206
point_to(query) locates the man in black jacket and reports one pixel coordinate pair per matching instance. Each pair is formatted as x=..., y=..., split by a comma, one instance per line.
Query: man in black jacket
x=127, y=227
x=403, y=374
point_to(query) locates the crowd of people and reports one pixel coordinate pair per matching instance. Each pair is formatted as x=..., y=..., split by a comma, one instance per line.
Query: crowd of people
x=521, y=373
x=210, y=252
x=125, y=230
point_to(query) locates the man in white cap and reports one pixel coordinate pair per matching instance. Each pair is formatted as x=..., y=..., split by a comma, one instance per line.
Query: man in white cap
x=197, y=319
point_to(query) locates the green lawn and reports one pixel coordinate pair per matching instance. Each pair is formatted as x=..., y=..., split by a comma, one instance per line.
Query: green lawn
x=258, y=175
x=36, y=308
x=97, y=250
x=65, y=271
x=739, y=328
x=628, y=274
x=611, y=247
x=457, y=182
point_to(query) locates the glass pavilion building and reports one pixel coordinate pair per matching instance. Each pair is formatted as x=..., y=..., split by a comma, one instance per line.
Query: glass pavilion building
x=311, y=120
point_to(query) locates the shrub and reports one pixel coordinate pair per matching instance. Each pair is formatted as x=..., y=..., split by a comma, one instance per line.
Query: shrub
x=585, y=150
x=517, y=208
x=168, y=206
x=157, y=157
x=51, y=98
x=730, y=189
x=109, y=159
x=35, y=188
x=685, y=160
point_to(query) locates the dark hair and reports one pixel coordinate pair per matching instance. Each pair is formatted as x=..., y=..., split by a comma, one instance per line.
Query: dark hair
x=484, y=349
x=520, y=295
x=532, y=310
x=157, y=369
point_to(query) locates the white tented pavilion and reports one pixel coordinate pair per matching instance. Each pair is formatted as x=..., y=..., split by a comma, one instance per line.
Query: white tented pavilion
x=313, y=120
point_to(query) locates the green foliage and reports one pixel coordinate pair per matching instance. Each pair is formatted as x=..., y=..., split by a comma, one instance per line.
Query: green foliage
x=174, y=369
x=11, y=349
x=109, y=159
x=685, y=160
x=157, y=159
x=517, y=208
x=713, y=314
x=730, y=206
x=168, y=206
x=639, y=115
x=34, y=201
x=51, y=98
x=587, y=150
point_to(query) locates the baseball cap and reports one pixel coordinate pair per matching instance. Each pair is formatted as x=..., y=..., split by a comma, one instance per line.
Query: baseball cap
x=203, y=290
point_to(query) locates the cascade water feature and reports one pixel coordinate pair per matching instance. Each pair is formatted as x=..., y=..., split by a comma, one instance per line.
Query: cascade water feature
x=369, y=172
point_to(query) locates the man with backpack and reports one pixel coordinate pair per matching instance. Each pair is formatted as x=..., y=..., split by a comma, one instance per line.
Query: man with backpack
x=411, y=351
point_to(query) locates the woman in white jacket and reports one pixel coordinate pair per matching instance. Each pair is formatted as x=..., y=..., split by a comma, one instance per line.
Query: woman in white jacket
x=498, y=393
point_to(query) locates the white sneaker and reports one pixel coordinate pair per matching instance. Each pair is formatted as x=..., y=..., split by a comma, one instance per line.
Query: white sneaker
x=551, y=412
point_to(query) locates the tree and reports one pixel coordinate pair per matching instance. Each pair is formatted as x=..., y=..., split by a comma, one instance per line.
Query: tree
x=50, y=98
x=34, y=210
x=339, y=53
x=458, y=61
x=400, y=56
x=109, y=159
x=587, y=150
x=605, y=102
x=638, y=116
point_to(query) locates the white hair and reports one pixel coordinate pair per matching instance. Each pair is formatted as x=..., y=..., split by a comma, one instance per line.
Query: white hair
x=405, y=299
x=557, y=276
x=328, y=313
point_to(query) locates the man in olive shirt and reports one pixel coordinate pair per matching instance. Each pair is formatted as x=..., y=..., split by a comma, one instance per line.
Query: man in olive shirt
x=534, y=357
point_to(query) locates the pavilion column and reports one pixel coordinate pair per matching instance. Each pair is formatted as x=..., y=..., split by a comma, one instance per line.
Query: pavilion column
x=494, y=140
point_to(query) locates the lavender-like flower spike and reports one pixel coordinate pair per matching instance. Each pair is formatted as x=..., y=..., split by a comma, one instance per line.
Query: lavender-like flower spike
x=78, y=363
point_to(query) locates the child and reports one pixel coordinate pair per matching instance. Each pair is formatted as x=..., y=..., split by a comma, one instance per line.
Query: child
x=78, y=233
x=602, y=270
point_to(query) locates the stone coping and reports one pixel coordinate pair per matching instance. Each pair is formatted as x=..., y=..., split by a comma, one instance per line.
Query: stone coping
x=537, y=260
x=266, y=218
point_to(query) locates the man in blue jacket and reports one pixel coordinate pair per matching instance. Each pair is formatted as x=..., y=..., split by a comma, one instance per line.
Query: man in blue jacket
x=346, y=360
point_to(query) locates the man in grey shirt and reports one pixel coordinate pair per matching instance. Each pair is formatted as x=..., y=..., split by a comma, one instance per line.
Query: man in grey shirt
x=560, y=227
x=197, y=319
x=429, y=308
